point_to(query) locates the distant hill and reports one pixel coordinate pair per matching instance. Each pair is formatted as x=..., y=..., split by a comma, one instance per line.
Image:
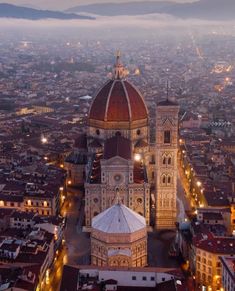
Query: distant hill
x=202, y=9
x=12, y=11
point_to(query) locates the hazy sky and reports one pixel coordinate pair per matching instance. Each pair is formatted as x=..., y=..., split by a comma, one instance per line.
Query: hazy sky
x=63, y=4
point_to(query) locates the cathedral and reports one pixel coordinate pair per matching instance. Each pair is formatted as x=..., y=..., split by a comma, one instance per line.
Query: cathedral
x=116, y=156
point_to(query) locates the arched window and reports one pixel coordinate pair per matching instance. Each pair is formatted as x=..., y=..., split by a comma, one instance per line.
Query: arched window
x=168, y=179
x=167, y=137
x=164, y=160
x=169, y=160
x=164, y=179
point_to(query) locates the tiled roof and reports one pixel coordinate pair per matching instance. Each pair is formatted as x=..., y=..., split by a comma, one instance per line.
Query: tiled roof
x=118, y=101
x=117, y=146
x=118, y=219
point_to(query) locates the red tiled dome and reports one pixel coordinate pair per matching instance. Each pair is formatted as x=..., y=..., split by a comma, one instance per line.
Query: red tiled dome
x=118, y=101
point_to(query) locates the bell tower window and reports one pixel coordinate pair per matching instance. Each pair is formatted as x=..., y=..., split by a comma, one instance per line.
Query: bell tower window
x=169, y=180
x=167, y=136
x=164, y=179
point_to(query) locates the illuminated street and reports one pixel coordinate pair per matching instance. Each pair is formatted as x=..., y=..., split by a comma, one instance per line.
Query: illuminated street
x=183, y=200
x=55, y=275
x=184, y=190
x=77, y=244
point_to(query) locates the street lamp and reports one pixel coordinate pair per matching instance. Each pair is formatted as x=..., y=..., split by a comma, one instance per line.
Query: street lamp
x=199, y=183
x=44, y=140
x=137, y=157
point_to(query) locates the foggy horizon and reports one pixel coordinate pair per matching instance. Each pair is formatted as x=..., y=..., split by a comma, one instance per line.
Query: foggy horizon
x=60, y=5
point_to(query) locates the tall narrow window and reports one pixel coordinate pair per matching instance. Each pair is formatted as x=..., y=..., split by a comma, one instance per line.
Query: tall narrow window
x=164, y=179
x=169, y=179
x=169, y=161
x=167, y=136
x=164, y=161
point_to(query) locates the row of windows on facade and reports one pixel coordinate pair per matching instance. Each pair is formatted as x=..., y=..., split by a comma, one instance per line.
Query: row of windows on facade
x=203, y=278
x=208, y=262
x=208, y=269
x=203, y=253
x=32, y=203
x=166, y=160
x=135, y=250
x=18, y=204
x=144, y=278
x=166, y=179
x=118, y=133
x=138, y=200
x=125, y=263
x=167, y=135
x=11, y=204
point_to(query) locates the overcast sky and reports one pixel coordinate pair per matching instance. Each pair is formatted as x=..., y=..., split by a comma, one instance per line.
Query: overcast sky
x=63, y=4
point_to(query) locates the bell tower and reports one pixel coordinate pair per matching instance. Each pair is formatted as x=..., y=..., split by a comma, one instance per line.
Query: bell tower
x=166, y=164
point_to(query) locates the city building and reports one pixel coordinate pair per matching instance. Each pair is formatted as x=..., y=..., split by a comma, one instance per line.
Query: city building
x=208, y=250
x=119, y=153
x=114, y=278
x=119, y=238
x=228, y=272
x=166, y=164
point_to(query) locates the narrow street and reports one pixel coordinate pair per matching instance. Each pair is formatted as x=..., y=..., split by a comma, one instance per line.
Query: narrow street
x=77, y=242
x=76, y=249
x=56, y=271
x=183, y=201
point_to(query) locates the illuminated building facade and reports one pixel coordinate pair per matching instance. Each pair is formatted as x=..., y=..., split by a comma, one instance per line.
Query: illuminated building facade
x=119, y=238
x=120, y=155
x=166, y=164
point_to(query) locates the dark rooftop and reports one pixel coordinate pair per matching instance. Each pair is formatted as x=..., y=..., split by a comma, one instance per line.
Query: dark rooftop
x=117, y=146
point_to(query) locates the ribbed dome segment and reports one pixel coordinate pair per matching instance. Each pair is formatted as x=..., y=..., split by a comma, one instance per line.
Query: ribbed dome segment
x=118, y=219
x=118, y=101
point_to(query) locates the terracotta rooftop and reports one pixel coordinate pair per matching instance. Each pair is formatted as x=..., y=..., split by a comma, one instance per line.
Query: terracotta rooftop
x=117, y=146
x=212, y=244
x=118, y=101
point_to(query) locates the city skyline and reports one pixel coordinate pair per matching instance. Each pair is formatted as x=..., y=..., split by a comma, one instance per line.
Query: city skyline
x=117, y=147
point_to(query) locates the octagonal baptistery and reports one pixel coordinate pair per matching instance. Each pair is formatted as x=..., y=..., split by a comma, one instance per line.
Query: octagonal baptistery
x=118, y=107
x=119, y=238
